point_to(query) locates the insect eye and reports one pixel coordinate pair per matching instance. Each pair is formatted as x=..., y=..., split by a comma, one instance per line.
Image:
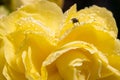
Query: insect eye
x=74, y=20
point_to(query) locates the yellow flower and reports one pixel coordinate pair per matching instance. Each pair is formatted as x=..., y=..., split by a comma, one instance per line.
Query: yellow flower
x=39, y=42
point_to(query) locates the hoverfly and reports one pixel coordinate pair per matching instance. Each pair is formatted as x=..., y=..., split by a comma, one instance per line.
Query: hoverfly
x=75, y=21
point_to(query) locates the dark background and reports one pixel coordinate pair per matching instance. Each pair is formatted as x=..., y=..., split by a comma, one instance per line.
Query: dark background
x=112, y=5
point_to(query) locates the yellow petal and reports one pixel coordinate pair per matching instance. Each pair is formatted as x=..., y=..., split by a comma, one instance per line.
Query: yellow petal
x=89, y=34
x=15, y=4
x=11, y=74
x=38, y=45
x=7, y=24
x=37, y=41
x=91, y=27
x=31, y=33
x=102, y=18
x=112, y=77
x=58, y=2
x=50, y=16
x=30, y=70
x=59, y=62
x=12, y=59
x=114, y=58
x=101, y=24
x=113, y=61
x=70, y=13
x=17, y=45
x=2, y=59
x=67, y=24
x=99, y=39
